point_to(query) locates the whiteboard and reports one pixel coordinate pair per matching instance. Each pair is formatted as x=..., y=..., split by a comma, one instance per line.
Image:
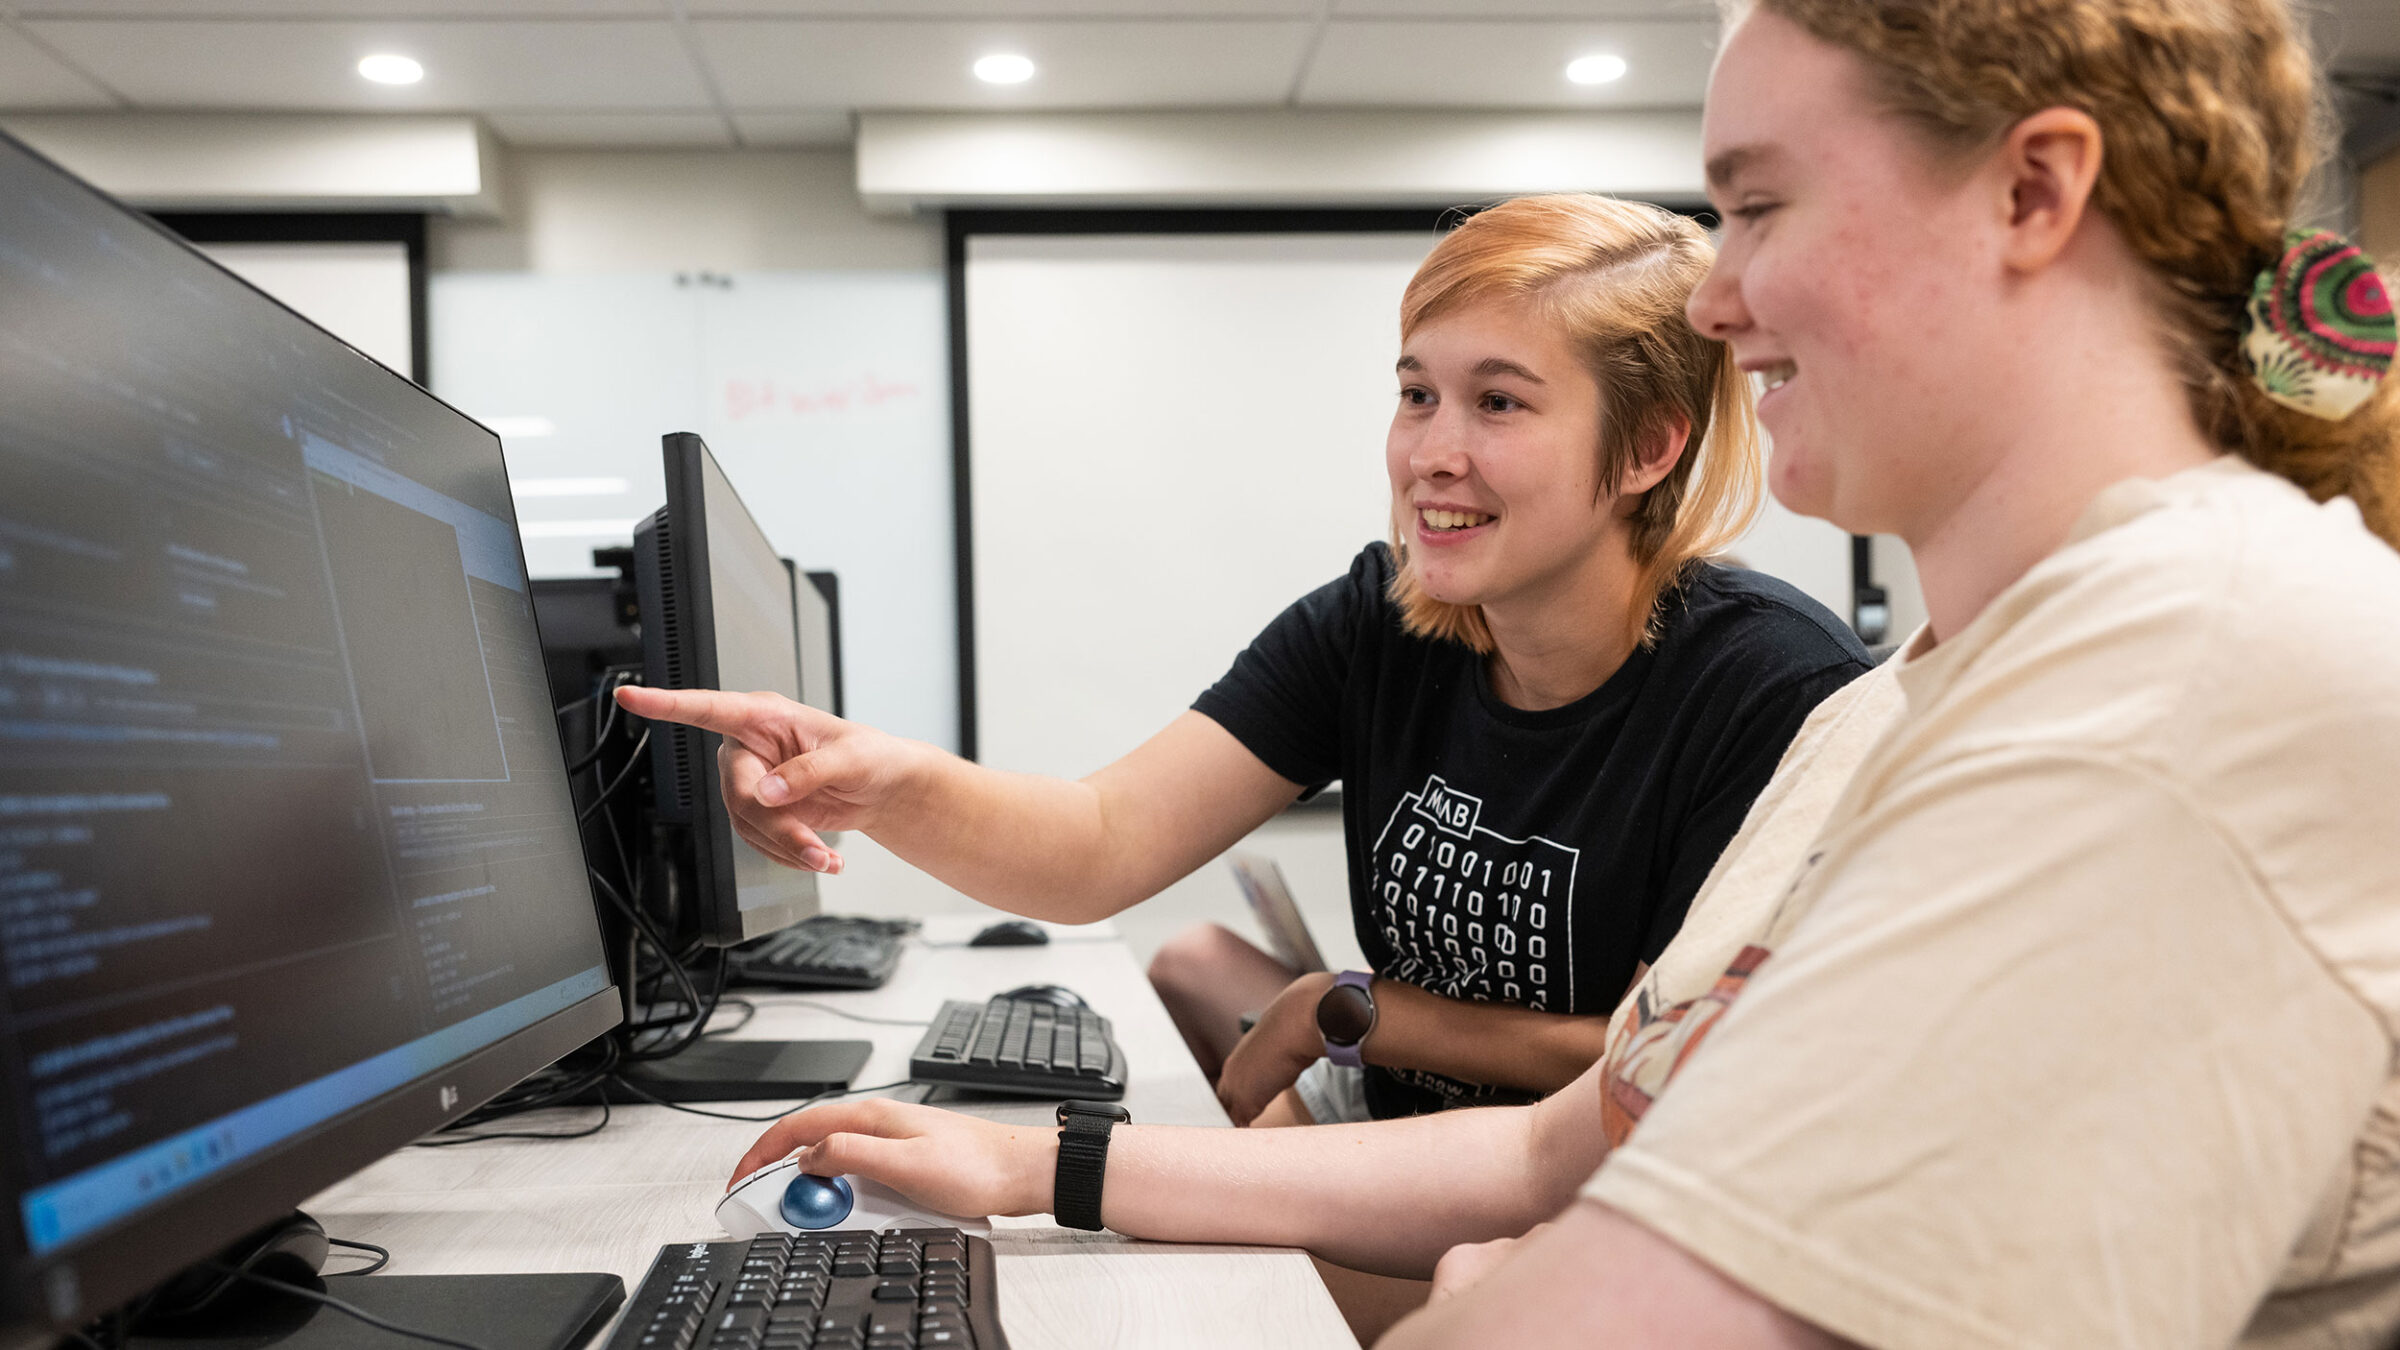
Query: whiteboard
x=825, y=395
x=1171, y=438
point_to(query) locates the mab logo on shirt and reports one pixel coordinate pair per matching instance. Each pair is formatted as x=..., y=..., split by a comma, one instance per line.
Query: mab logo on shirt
x=1469, y=912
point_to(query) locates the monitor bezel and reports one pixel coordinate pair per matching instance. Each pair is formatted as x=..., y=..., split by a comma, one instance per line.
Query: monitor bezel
x=95, y=1274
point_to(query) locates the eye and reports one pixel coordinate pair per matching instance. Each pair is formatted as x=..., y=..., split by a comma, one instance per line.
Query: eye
x=1750, y=213
x=1494, y=401
x=1416, y=396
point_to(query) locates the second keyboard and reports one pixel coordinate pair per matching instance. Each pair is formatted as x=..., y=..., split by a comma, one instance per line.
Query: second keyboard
x=1021, y=1045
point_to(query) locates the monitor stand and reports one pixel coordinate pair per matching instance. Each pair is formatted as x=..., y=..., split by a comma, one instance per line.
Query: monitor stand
x=537, y=1312
x=744, y=1071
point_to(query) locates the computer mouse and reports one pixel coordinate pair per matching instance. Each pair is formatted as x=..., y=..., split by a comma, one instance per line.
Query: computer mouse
x=1048, y=993
x=1011, y=933
x=780, y=1198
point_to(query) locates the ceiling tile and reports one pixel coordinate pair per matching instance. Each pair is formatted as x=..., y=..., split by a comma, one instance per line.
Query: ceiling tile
x=786, y=129
x=473, y=65
x=32, y=78
x=612, y=131
x=1377, y=63
x=830, y=63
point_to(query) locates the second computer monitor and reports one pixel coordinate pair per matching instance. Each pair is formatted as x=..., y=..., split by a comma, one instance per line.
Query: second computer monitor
x=820, y=615
x=718, y=612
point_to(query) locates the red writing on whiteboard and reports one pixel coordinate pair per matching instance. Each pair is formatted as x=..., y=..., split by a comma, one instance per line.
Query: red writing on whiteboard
x=746, y=399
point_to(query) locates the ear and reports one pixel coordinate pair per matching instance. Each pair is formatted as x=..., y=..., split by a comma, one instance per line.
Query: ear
x=1661, y=448
x=2049, y=162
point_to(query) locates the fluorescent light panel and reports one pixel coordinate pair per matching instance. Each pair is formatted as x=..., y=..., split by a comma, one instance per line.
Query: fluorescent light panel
x=1598, y=68
x=389, y=68
x=576, y=529
x=569, y=487
x=1004, y=68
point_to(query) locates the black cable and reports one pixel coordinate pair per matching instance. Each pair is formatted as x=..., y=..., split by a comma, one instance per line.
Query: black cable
x=349, y=1309
x=855, y=1017
x=477, y=1137
x=383, y=1256
x=632, y=759
x=641, y=925
x=702, y=1011
x=749, y=1010
x=631, y=1087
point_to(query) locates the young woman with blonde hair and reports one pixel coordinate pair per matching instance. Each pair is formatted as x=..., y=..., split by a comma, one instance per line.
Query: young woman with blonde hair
x=2051, y=993
x=1547, y=709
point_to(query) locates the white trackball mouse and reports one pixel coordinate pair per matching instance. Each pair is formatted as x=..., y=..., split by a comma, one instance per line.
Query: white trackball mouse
x=780, y=1198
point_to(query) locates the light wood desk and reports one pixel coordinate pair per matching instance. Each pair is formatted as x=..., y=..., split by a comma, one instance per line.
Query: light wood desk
x=608, y=1202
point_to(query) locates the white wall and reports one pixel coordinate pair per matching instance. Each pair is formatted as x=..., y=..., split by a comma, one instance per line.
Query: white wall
x=570, y=211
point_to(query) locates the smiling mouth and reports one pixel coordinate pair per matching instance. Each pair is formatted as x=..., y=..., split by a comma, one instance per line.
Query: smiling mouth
x=1774, y=377
x=1444, y=522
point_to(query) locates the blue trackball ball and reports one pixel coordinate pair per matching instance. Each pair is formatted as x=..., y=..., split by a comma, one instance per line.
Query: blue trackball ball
x=816, y=1202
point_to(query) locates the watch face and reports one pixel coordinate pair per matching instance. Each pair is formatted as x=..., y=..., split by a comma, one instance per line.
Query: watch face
x=1345, y=1014
x=1110, y=1110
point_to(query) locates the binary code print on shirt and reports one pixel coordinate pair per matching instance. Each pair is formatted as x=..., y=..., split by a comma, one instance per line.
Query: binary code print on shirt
x=1472, y=913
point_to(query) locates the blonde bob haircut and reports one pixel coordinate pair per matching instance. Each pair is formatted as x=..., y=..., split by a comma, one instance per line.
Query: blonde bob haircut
x=1614, y=276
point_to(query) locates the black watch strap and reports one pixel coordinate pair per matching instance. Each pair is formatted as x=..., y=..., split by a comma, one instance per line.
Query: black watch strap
x=1083, y=1160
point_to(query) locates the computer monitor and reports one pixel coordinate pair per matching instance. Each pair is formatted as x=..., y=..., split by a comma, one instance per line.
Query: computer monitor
x=717, y=613
x=288, y=867
x=821, y=641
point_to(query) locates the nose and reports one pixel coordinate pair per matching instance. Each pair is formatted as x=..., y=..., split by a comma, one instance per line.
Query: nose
x=1439, y=450
x=1715, y=308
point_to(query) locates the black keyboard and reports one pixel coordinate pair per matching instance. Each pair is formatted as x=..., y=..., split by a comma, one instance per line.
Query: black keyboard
x=1023, y=1045
x=825, y=952
x=900, y=1289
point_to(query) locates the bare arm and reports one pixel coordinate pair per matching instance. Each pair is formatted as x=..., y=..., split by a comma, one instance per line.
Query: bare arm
x=1597, y=1278
x=1388, y=1196
x=1497, y=1043
x=1072, y=852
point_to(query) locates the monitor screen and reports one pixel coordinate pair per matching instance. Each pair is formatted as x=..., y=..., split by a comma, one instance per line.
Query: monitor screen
x=717, y=613
x=284, y=822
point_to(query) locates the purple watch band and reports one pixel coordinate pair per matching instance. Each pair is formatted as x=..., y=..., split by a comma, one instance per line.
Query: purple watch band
x=1348, y=1053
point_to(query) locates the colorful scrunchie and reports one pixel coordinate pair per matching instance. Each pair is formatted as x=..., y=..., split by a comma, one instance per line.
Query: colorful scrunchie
x=2319, y=331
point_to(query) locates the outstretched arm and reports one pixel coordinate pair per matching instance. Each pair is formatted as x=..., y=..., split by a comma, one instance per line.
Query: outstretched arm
x=1388, y=1196
x=1072, y=852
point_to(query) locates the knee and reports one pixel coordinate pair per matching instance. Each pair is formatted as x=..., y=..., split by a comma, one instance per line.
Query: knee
x=1194, y=958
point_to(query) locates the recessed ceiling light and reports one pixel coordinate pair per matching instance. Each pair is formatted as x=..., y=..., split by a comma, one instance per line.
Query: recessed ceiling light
x=1004, y=68
x=1599, y=69
x=385, y=68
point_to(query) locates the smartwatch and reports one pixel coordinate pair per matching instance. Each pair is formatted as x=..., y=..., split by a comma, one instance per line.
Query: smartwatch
x=1345, y=1015
x=1083, y=1160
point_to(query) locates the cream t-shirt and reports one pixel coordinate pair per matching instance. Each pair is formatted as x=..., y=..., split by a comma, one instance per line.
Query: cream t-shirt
x=2074, y=1026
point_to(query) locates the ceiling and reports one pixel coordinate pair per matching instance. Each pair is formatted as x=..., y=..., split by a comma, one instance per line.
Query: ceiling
x=792, y=72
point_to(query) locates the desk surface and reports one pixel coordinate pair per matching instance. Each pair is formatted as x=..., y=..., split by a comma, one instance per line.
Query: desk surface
x=653, y=1176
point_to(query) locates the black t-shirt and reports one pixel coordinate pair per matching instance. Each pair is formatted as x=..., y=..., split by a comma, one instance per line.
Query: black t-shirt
x=1524, y=857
